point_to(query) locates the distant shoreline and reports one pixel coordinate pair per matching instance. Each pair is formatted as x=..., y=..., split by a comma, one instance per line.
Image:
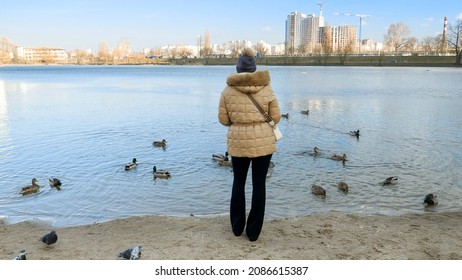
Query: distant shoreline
x=421, y=61
x=313, y=60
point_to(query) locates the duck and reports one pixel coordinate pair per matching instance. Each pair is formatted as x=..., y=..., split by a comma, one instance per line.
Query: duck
x=318, y=190
x=31, y=188
x=430, y=200
x=55, y=183
x=225, y=163
x=342, y=186
x=218, y=157
x=162, y=143
x=355, y=133
x=339, y=157
x=316, y=151
x=286, y=116
x=305, y=112
x=390, y=181
x=160, y=173
x=131, y=165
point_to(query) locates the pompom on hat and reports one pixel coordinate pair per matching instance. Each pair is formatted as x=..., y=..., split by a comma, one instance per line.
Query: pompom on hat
x=246, y=61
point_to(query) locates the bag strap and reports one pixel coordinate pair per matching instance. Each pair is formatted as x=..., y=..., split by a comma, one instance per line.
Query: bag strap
x=267, y=117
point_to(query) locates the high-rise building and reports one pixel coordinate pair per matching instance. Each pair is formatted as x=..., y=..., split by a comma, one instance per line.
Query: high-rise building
x=302, y=32
x=344, y=38
x=294, y=31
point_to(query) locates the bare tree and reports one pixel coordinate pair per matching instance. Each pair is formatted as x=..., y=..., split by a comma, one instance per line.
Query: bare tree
x=345, y=50
x=103, y=52
x=429, y=44
x=397, y=36
x=454, y=39
x=6, y=50
x=207, y=51
x=183, y=52
x=261, y=48
x=123, y=50
x=326, y=43
x=411, y=44
x=80, y=56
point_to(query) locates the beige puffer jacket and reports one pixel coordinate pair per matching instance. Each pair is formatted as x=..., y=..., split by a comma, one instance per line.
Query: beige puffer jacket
x=249, y=135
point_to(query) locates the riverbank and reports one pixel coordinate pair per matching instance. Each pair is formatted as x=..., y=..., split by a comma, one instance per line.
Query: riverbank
x=331, y=236
x=308, y=60
x=333, y=60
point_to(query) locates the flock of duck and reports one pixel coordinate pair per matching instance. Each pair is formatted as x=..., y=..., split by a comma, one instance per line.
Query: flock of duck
x=157, y=174
x=55, y=183
x=134, y=253
x=49, y=239
x=429, y=200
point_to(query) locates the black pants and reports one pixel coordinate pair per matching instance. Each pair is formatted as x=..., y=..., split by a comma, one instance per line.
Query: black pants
x=237, y=208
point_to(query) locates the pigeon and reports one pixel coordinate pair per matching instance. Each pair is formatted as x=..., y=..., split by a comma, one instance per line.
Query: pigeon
x=50, y=238
x=21, y=256
x=132, y=253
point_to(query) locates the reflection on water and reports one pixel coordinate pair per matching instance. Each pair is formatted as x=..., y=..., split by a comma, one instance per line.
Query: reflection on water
x=83, y=124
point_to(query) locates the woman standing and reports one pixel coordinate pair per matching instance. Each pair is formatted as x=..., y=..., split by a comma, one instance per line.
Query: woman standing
x=250, y=139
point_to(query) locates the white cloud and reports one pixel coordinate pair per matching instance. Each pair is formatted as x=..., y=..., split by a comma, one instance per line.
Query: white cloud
x=266, y=29
x=459, y=17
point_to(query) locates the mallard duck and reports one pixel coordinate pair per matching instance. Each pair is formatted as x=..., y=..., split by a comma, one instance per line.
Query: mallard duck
x=318, y=190
x=355, y=133
x=30, y=188
x=131, y=165
x=305, y=112
x=390, y=181
x=430, y=200
x=342, y=186
x=225, y=163
x=316, y=151
x=162, y=143
x=218, y=157
x=55, y=183
x=160, y=173
x=339, y=157
x=286, y=116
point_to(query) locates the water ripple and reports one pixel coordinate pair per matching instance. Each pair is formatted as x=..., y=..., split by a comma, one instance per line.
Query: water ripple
x=84, y=124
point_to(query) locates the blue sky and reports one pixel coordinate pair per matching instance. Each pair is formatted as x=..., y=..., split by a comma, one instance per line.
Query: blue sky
x=83, y=24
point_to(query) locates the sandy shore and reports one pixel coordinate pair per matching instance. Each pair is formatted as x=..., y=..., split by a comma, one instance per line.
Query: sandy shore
x=332, y=236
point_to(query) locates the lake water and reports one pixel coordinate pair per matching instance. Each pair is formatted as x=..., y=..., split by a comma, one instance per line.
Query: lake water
x=82, y=124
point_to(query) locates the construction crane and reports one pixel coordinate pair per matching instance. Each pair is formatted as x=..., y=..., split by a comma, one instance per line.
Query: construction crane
x=361, y=16
x=321, y=5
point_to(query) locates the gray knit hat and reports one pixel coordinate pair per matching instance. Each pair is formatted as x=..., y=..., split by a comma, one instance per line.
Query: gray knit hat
x=246, y=61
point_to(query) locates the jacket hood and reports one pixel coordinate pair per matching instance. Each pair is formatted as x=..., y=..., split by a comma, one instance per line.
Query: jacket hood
x=249, y=82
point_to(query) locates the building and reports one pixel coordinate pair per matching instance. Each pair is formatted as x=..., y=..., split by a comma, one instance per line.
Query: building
x=302, y=32
x=368, y=45
x=48, y=55
x=344, y=38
